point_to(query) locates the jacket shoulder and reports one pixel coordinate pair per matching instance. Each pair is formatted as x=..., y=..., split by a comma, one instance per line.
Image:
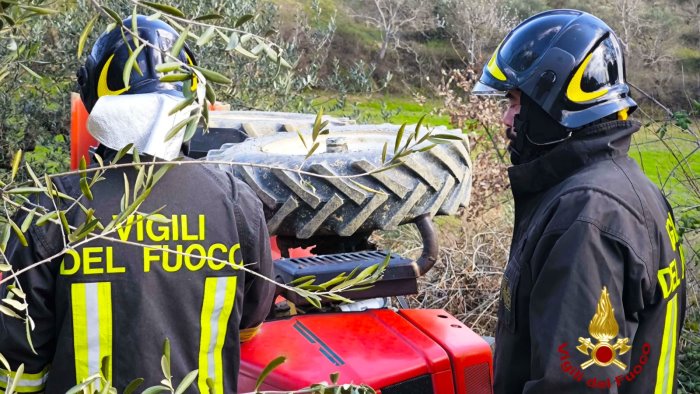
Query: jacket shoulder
x=616, y=197
x=611, y=190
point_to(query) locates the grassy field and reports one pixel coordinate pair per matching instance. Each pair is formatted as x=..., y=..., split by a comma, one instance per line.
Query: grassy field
x=672, y=162
x=384, y=109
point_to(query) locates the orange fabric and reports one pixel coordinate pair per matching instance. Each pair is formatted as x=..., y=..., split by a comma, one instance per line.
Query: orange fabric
x=80, y=138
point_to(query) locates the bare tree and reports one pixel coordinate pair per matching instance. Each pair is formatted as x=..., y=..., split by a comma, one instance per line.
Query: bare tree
x=649, y=35
x=394, y=17
x=629, y=17
x=477, y=25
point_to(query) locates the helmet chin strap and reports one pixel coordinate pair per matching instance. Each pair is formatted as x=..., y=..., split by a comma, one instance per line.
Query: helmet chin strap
x=548, y=142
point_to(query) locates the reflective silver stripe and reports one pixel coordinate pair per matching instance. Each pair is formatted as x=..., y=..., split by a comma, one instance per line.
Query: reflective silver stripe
x=215, y=316
x=217, y=306
x=93, y=328
x=37, y=380
x=220, y=297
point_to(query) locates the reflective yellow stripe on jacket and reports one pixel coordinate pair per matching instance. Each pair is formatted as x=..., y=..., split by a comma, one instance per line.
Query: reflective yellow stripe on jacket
x=92, y=327
x=28, y=382
x=667, y=358
x=219, y=296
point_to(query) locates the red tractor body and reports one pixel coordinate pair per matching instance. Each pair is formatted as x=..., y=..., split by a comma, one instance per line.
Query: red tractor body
x=405, y=351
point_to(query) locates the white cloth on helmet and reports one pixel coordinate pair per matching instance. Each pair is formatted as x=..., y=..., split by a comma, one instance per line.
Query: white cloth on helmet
x=141, y=119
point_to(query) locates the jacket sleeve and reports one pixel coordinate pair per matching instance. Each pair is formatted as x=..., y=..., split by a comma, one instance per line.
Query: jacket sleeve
x=255, y=247
x=38, y=285
x=578, y=273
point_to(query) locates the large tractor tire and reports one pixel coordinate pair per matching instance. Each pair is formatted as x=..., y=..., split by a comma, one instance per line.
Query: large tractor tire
x=437, y=181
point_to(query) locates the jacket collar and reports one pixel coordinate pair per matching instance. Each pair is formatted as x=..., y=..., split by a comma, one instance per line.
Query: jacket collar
x=594, y=143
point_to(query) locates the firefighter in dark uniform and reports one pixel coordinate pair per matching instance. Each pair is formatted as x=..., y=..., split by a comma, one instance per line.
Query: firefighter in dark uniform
x=593, y=295
x=118, y=298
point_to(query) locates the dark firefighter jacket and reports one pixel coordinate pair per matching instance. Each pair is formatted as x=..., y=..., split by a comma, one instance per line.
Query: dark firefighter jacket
x=108, y=298
x=593, y=295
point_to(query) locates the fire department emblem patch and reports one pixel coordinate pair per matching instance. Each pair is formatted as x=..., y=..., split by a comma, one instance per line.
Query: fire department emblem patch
x=604, y=328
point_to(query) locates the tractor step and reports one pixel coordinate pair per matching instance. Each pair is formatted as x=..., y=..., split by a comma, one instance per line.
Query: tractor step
x=399, y=277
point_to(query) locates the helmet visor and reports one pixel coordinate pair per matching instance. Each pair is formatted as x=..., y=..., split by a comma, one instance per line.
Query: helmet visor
x=481, y=89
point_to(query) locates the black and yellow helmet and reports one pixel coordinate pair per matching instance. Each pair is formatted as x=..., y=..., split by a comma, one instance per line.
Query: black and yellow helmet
x=568, y=62
x=102, y=74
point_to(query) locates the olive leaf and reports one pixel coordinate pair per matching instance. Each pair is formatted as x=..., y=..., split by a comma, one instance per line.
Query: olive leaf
x=170, y=10
x=206, y=37
x=168, y=67
x=15, y=381
x=18, y=233
x=208, y=17
x=9, y=312
x=173, y=132
x=312, y=150
x=187, y=381
x=213, y=76
x=399, y=137
x=210, y=94
x=182, y=105
x=131, y=387
x=268, y=369
x=245, y=52
x=19, y=306
x=245, y=18
x=191, y=129
x=175, y=77
x=180, y=43
x=233, y=41
x=38, y=10
x=27, y=220
x=85, y=33
x=30, y=71
x=129, y=65
x=15, y=163
x=113, y=14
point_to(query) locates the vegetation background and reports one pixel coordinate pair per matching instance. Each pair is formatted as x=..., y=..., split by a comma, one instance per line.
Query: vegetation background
x=393, y=61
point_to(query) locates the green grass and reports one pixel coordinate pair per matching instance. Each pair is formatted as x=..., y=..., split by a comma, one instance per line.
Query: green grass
x=367, y=36
x=386, y=109
x=439, y=49
x=347, y=28
x=660, y=162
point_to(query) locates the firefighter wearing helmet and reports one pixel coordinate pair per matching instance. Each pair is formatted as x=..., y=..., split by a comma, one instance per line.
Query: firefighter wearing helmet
x=109, y=304
x=593, y=295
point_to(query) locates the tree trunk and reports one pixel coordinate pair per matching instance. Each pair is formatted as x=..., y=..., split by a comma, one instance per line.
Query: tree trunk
x=382, y=51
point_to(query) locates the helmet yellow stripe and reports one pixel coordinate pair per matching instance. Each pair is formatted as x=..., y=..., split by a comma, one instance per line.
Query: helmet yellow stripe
x=574, y=91
x=102, y=87
x=194, y=77
x=493, y=67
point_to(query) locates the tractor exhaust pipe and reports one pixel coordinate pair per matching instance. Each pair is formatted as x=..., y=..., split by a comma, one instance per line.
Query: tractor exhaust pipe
x=427, y=259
